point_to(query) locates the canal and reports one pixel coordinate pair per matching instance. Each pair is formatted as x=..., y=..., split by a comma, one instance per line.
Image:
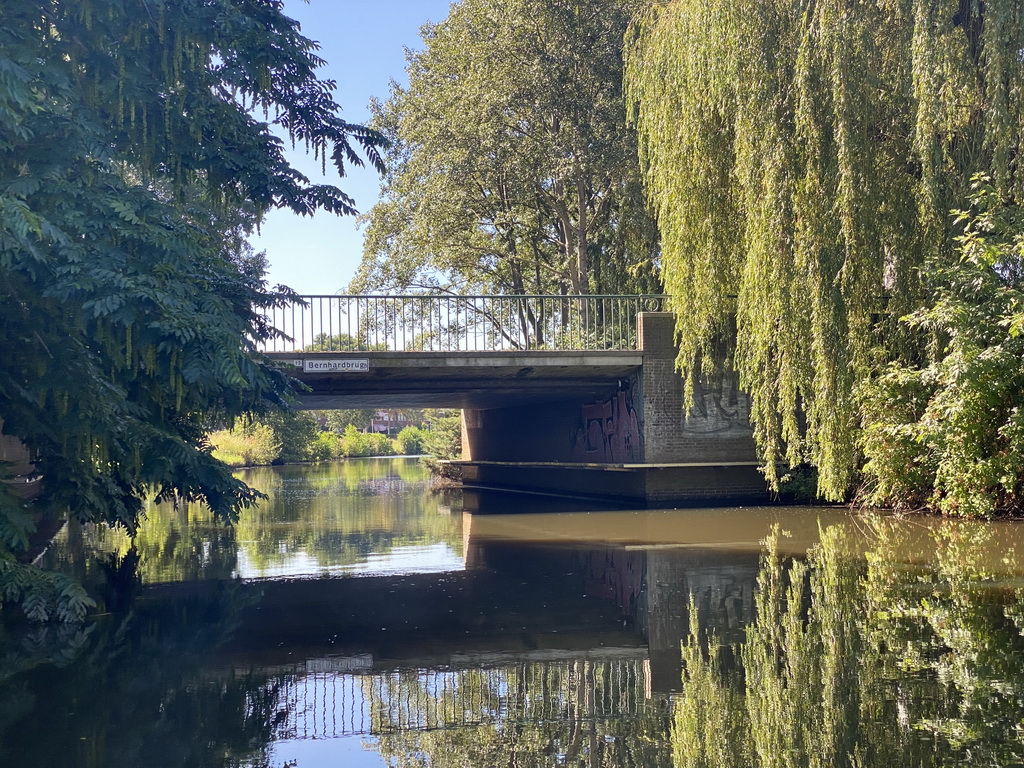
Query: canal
x=358, y=619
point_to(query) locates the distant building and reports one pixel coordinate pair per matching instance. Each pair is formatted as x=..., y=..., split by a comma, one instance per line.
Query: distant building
x=390, y=422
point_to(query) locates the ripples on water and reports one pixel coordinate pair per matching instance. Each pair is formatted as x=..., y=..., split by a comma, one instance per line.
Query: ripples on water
x=357, y=619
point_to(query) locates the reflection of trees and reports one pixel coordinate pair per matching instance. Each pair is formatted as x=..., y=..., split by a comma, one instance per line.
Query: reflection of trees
x=339, y=513
x=870, y=663
x=183, y=542
x=131, y=692
x=533, y=714
x=336, y=514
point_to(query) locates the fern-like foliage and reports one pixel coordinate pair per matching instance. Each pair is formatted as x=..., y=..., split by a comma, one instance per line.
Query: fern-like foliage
x=133, y=161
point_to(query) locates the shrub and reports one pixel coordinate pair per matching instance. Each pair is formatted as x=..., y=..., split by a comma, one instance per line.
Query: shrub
x=410, y=441
x=325, y=446
x=296, y=431
x=246, y=445
x=379, y=445
x=351, y=442
x=443, y=442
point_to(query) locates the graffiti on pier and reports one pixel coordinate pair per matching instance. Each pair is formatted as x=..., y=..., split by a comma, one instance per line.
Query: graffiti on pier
x=608, y=431
x=719, y=407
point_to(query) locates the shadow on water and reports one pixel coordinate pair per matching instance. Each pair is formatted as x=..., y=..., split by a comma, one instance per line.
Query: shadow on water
x=357, y=617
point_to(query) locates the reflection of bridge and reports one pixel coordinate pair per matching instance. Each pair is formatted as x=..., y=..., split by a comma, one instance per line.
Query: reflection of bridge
x=515, y=604
x=323, y=704
x=570, y=394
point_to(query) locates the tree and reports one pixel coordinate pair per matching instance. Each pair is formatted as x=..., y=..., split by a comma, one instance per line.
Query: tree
x=511, y=169
x=132, y=162
x=801, y=159
x=340, y=418
x=342, y=342
x=950, y=434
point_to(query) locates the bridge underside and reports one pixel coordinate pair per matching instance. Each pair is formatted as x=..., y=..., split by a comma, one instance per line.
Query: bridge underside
x=467, y=380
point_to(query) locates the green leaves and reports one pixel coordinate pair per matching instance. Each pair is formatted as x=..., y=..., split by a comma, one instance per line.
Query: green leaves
x=511, y=169
x=132, y=167
x=948, y=434
x=801, y=159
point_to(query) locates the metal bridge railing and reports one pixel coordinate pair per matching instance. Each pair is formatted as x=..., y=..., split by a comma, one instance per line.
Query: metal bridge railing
x=445, y=323
x=324, y=705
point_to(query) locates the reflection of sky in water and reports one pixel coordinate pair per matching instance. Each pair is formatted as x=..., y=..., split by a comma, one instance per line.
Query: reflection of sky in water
x=312, y=734
x=348, y=751
x=431, y=558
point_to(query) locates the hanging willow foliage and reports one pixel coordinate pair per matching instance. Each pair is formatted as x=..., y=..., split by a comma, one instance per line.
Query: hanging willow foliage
x=802, y=159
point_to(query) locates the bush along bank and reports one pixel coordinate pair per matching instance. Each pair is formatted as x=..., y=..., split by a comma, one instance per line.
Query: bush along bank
x=290, y=438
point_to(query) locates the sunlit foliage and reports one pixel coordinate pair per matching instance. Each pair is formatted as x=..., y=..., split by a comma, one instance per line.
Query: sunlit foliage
x=802, y=159
x=950, y=434
x=511, y=168
x=132, y=162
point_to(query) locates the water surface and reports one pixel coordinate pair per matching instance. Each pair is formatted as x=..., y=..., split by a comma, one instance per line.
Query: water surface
x=358, y=619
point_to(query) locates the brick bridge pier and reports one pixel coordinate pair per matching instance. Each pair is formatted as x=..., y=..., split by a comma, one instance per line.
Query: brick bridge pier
x=637, y=444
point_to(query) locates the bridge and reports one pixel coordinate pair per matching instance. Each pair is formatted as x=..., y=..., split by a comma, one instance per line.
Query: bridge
x=567, y=394
x=468, y=352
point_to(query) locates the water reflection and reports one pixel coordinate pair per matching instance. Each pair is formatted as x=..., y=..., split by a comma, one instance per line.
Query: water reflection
x=359, y=516
x=542, y=639
x=865, y=661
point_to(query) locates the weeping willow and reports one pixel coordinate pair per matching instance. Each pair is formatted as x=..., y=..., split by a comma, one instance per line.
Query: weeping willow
x=858, y=658
x=802, y=159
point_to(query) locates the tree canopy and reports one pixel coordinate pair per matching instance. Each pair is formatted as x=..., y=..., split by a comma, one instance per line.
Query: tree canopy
x=136, y=151
x=511, y=169
x=802, y=160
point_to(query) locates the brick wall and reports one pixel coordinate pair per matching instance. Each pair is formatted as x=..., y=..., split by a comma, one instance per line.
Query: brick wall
x=715, y=429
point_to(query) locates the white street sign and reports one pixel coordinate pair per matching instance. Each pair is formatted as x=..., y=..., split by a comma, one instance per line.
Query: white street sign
x=336, y=366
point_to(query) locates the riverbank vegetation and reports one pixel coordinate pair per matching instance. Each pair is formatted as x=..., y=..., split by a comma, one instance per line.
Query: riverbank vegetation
x=135, y=156
x=298, y=437
x=804, y=163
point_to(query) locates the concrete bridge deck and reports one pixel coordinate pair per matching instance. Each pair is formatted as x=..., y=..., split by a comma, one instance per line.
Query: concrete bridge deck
x=468, y=380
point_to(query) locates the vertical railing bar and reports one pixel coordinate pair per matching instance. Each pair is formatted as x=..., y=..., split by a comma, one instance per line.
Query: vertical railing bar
x=320, y=319
x=307, y=327
x=611, y=340
x=330, y=321
x=317, y=320
x=592, y=319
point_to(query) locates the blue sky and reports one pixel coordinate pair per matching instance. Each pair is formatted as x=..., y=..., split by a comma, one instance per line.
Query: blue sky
x=364, y=44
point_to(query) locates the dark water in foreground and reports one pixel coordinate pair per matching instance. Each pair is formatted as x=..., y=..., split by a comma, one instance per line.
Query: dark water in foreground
x=357, y=620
